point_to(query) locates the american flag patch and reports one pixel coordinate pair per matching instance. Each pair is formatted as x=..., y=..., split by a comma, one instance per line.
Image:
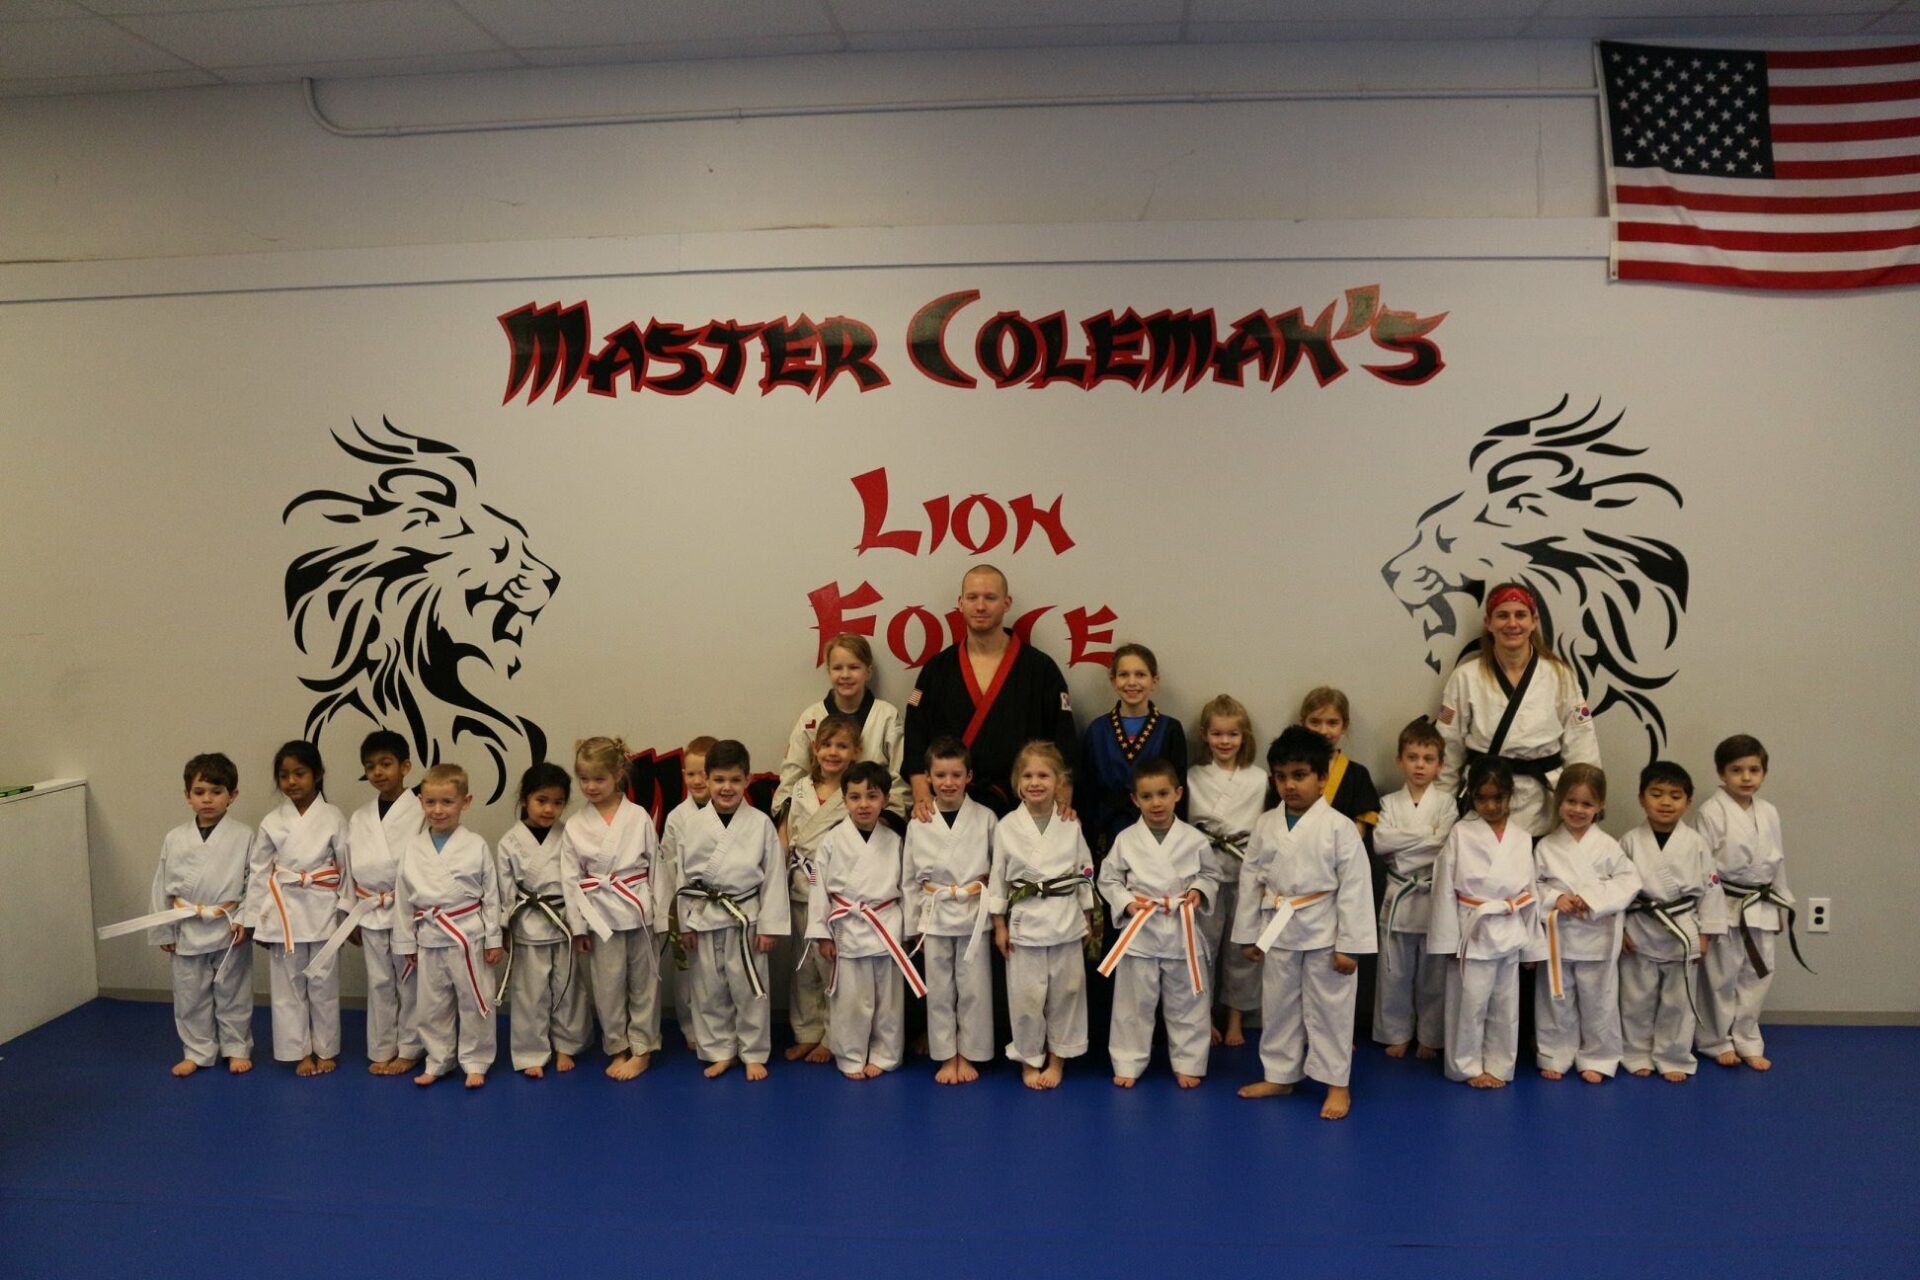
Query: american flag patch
x=913, y=699
x=1445, y=716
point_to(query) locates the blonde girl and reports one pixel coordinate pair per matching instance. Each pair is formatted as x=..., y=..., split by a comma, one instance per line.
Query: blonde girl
x=1225, y=797
x=881, y=727
x=815, y=808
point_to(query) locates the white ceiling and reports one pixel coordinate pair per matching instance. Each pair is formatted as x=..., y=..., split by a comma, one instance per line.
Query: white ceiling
x=89, y=46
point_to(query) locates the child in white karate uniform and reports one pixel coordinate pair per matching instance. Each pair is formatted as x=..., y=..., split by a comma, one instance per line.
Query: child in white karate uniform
x=1040, y=894
x=855, y=920
x=1743, y=831
x=1671, y=924
x=878, y=724
x=948, y=857
x=1225, y=797
x=676, y=980
x=1158, y=876
x=1410, y=1000
x=294, y=885
x=1306, y=906
x=1586, y=883
x=376, y=834
x=550, y=1013
x=815, y=807
x=1485, y=912
x=446, y=914
x=729, y=884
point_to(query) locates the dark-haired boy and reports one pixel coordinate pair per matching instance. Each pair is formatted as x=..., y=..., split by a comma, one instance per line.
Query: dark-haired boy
x=1409, y=1002
x=948, y=858
x=203, y=865
x=377, y=833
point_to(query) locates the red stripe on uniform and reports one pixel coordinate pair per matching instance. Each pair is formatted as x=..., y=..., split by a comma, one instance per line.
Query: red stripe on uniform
x=1865, y=167
x=1714, y=202
x=1686, y=273
x=1768, y=241
x=1826, y=59
x=1827, y=95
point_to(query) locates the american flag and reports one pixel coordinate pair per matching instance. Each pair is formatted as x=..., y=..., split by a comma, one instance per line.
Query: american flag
x=1763, y=170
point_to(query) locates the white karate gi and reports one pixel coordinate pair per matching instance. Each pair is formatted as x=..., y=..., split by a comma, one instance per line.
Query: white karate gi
x=1656, y=1012
x=606, y=868
x=1581, y=1029
x=1306, y=1005
x=1047, y=972
x=809, y=819
x=212, y=1006
x=882, y=739
x=676, y=983
x=1160, y=965
x=867, y=1015
x=289, y=849
x=1409, y=1001
x=741, y=859
x=1747, y=851
x=946, y=888
x=1554, y=717
x=1224, y=806
x=1490, y=941
x=549, y=1006
x=373, y=860
x=446, y=914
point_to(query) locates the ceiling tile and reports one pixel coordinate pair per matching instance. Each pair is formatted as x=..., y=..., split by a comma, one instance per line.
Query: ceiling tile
x=45, y=88
x=76, y=47
x=1754, y=28
x=1342, y=29
x=1018, y=37
x=365, y=68
x=552, y=24
x=683, y=50
x=315, y=33
x=28, y=10
x=1396, y=11
x=985, y=15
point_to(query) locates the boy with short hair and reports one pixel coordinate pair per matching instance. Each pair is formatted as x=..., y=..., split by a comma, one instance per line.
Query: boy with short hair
x=948, y=858
x=376, y=834
x=1410, y=999
x=676, y=972
x=447, y=914
x=1306, y=903
x=1159, y=871
x=855, y=920
x=730, y=885
x=1743, y=831
x=1669, y=926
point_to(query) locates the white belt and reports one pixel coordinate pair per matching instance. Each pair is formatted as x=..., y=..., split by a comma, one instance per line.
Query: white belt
x=1284, y=908
x=368, y=900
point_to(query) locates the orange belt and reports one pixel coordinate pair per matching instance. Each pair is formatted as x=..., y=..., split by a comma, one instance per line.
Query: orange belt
x=327, y=877
x=1484, y=907
x=1145, y=907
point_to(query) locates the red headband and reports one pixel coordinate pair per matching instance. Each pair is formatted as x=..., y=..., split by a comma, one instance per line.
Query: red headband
x=1509, y=595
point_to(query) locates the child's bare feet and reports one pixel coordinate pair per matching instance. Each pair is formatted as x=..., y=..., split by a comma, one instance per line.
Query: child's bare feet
x=1486, y=1081
x=854, y=1075
x=756, y=1071
x=820, y=1053
x=305, y=1067
x=1030, y=1076
x=1396, y=1051
x=949, y=1072
x=425, y=1078
x=718, y=1069
x=1214, y=1037
x=1728, y=1059
x=475, y=1079
x=185, y=1067
x=1425, y=1053
x=562, y=1061
x=1591, y=1076
x=1643, y=1072
x=384, y=1067
x=1050, y=1076
x=400, y=1066
x=1674, y=1077
x=1758, y=1063
x=239, y=1066
x=872, y=1072
x=635, y=1064
x=1236, y=1034
x=533, y=1073
x=1186, y=1082
x=1339, y=1102
x=964, y=1072
x=321, y=1066
x=1265, y=1089
x=1125, y=1082
x=1547, y=1073
x=617, y=1064
x=799, y=1051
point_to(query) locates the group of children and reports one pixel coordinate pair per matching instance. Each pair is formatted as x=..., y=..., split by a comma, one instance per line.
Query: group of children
x=1226, y=885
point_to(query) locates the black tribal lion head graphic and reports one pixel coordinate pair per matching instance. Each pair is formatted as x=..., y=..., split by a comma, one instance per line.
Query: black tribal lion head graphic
x=1561, y=506
x=421, y=590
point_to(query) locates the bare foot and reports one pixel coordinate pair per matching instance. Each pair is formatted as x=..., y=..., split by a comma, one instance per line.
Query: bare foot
x=1674, y=1077
x=384, y=1067
x=475, y=1079
x=1758, y=1063
x=1728, y=1059
x=820, y=1053
x=425, y=1078
x=799, y=1051
x=1339, y=1102
x=854, y=1075
x=1186, y=1082
x=691, y=1046
x=1125, y=1082
x=964, y=1072
x=185, y=1067
x=718, y=1069
x=1426, y=1053
x=1030, y=1076
x=1236, y=1034
x=1265, y=1089
x=400, y=1066
x=1051, y=1075
x=618, y=1064
x=1485, y=1081
x=756, y=1071
x=1214, y=1037
x=1592, y=1077
x=871, y=1072
x=239, y=1066
x=305, y=1066
x=949, y=1072
x=1643, y=1072
x=629, y=1065
x=322, y=1066
x=1547, y=1073
x=562, y=1062
x=533, y=1073
x=1396, y=1051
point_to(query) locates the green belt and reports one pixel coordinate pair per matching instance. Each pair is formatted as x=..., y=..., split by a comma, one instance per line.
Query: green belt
x=1406, y=887
x=1061, y=887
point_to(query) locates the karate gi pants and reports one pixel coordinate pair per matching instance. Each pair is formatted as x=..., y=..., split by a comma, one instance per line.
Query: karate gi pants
x=1410, y=1000
x=1236, y=982
x=1141, y=985
x=866, y=1014
x=1581, y=1030
x=729, y=1021
x=1483, y=1017
x=306, y=1011
x=807, y=993
x=1306, y=1017
x=959, y=999
x=676, y=985
x=1656, y=1021
x=626, y=991
x=392, y=993
x=214, y=1017
x=545, y=1011
x=1732, y=993
x=450, y=1021
x=1047, y=1002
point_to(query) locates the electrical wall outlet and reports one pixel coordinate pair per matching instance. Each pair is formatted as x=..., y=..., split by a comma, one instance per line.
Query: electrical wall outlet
x=1819, y=915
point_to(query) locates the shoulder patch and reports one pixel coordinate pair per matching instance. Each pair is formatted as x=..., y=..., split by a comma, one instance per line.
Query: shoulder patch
x=1066, y=702
x=1583, y=715
x=1445, y=716
x=913, y=699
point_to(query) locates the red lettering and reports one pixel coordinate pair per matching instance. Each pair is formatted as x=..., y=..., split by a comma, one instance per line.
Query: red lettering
x=936, y=509
x=831, y=617
x=963, y=523
x=1023, y=625
x=1086, y=629
x=931, y=641
x=872, y=488
x=790, y=353
x=1027, y=517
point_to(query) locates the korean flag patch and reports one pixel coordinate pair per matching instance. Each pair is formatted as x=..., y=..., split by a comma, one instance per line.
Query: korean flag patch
x=1582, y=716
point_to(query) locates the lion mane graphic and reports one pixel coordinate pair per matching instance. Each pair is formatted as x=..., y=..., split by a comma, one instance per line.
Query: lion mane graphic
x=423, y=587
x=1558, y=506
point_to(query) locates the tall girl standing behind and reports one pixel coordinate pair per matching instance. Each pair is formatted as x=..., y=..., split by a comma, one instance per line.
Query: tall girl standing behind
x=1112, y=744
x=294, y=888
x=1225, y=797
x=551, y=1016
x=608, y=854
x=878, y=723
x=816, y=807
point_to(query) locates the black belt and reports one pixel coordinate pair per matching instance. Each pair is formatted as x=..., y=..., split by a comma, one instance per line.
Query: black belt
x=1535, y=768
x=1751, y=895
